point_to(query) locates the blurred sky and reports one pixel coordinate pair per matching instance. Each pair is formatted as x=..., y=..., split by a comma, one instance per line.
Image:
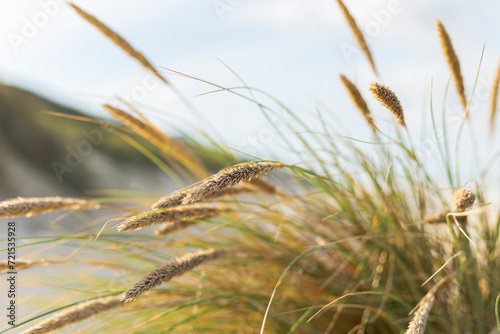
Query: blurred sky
x=291, y=49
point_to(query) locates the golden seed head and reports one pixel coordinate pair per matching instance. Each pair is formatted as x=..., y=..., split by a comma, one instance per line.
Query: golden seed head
x=453, y=62
x=494, y=97
x=227, y=178
x=417, y=325
x=76, y=313
x=462, y=200
x=118, y=40
x=358, y=100
x=170, y=270
x=358, y=35
x=172, y=215
x=388, y=99
x=35, y=205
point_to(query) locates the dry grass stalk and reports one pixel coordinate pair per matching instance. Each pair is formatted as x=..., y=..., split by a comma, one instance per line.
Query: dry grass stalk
x=463, y=199
x=172, y=215
x=437, y=218
x=494, y=97
x=118, y=40
x=35, y=205
x=149, y=132
x=227, y=178
x=358, y=35
x=168, y=228
x=74, y=314
x=165, y=273
x=22, y=264
x=388, y=99
x=358, y=100
x=453, y=62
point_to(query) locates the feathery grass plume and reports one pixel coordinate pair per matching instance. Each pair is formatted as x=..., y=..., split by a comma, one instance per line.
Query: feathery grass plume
x=165, y=273
x=227, y=178
x=35, y=205
x=149, y=132
x=388, y=99
x=174, y=226
x=358, y=100
x=20, y=264
x=437, y=218
x=76, y=313
x=462, y=199
x=358, y=35
x=118, y=40
x=453, y=62
x=494, y=97
x=172, y=215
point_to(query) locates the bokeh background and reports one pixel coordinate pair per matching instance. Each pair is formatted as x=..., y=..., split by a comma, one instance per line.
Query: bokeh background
x=292, y=50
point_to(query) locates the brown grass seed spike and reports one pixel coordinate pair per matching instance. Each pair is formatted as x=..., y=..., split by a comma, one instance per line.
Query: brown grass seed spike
x=358, y=35
x=118, y=40
x=165, y=273
x=74, y=314
x=453, y=62
x=228, y=177
x=417, y=325
x=358, y=100
x=168, y=228
x=388, y=99
x=149, y=132
x=463, y=199
x=172, y=215
x=177, y=197
x=35, y=205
